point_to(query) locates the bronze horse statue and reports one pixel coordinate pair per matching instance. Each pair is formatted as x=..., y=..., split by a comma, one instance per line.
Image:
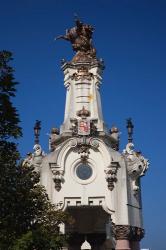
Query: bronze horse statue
x=80, y=37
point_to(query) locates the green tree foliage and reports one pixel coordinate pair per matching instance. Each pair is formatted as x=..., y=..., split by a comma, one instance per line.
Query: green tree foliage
x=37, y=223
x=9, y=118
x=9, y=129
x=28, y=221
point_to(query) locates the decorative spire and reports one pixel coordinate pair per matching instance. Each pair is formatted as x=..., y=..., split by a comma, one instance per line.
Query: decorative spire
x=37, y=129
x=130, y=127
x=82, y=79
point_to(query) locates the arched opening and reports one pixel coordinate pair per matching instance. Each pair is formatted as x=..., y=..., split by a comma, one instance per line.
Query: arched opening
x=91, y=223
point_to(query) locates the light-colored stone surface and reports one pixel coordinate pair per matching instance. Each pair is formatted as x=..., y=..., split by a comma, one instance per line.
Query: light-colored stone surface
x=82, y=91
x=110, y=188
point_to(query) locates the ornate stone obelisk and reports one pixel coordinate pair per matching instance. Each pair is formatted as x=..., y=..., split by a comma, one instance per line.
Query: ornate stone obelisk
x=84, y=172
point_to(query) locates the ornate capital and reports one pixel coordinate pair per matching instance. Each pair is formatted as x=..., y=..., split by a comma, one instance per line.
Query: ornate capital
x=123, y=232
x=126, y=232
x=137, y=233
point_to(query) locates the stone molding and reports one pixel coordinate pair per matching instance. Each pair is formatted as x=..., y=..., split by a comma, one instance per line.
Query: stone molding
x=126, y=232
x=99, y=63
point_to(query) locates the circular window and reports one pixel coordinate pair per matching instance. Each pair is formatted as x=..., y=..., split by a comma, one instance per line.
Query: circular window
x=84, y=171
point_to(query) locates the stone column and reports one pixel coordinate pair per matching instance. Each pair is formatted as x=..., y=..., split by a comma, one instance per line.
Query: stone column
x=128, y=237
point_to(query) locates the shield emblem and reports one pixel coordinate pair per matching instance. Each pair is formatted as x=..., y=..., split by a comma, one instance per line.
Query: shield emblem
x=83, y=127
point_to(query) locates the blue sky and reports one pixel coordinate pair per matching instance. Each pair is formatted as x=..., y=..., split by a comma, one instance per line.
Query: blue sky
x=130, y=36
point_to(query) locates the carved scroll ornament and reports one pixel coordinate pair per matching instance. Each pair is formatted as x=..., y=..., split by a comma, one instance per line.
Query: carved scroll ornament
x=83, y=144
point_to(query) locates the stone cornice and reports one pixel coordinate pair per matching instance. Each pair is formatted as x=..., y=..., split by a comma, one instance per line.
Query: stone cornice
x=89, y=64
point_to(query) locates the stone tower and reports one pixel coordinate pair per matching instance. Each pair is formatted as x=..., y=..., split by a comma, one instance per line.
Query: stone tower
x=84, y=173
